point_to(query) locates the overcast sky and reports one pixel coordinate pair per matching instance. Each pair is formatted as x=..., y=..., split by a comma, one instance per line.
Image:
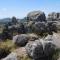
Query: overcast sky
x=20, y=8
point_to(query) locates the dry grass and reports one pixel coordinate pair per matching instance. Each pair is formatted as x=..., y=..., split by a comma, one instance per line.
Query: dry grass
x=8, y=44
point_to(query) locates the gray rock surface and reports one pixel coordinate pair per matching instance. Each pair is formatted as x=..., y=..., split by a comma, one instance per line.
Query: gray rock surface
x=53, y=16
x=36, y=16
x=20, y=40
x=55, y=38
x=40, y=49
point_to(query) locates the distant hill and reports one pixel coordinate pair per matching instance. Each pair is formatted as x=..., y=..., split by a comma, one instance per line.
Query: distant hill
x=6, y=20
x=23, y=20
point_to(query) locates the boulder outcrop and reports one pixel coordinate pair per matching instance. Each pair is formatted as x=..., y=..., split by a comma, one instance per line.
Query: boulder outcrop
x=36, y=16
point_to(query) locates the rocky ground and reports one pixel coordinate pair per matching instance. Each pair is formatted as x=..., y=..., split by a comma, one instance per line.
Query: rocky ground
x=22, y=52
x=43, y=44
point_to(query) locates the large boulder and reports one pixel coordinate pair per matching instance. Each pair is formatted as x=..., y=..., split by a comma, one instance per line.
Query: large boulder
x=36, y=16
x=40, y=49
x=20, y=40
x=31, y=46
x=53, y=16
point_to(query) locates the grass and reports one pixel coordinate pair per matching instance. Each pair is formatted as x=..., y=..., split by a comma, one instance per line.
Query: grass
x=24, y=58
x=56, y=54
x=8, y=44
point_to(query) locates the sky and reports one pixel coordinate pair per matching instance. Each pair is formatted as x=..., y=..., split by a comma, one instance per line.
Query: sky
x=20, y=8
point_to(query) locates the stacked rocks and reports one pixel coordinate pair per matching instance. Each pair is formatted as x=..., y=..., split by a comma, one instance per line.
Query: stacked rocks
x=37, y=22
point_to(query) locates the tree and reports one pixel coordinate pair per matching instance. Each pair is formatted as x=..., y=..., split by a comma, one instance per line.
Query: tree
x=6, y=34
x=14, y=20
x=21, y=29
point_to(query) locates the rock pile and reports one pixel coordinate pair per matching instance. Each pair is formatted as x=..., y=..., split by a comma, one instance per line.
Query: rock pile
x=37, y=23
x=40, y=49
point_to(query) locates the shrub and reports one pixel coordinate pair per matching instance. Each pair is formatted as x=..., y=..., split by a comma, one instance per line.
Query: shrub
x=6, y=47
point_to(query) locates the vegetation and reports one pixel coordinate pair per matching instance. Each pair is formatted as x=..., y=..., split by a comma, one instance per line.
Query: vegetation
x=8, y=44
x=5, y=48
x=24, y=58
x=14, y=20
x=56, y=54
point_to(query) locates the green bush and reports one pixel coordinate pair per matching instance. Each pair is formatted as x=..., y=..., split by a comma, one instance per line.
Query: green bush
x=56, y=54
